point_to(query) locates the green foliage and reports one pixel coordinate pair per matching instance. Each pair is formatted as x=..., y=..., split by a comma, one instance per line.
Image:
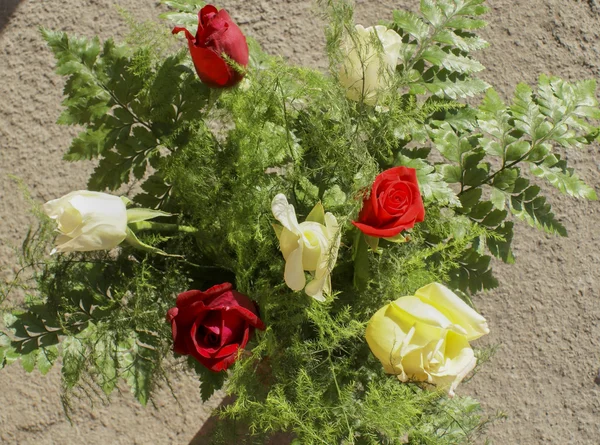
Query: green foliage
x=437, y=47
x=217, y=159
x=132, y=107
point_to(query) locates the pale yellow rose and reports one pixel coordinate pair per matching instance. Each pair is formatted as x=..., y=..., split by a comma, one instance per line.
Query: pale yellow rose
x=88, y=221
x=310, y=246
x=425, y=337
x=371, y=57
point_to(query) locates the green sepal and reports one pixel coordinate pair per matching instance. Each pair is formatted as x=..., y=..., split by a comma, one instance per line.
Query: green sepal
x=372, y=242
x=278, y=230
x=138, y=215
x=317, y=214
x=397, y=239
x=134, y=242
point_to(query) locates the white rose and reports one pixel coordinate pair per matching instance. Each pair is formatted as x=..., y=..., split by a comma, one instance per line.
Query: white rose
x=88, y=221
x=367, y=72
x=309, y=246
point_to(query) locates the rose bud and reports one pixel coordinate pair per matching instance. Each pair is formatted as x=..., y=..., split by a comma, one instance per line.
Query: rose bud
x=214, y=325
x=367, y=72
x=88, y=221
x=219, y=50
x=394, y=204
x=426, y=337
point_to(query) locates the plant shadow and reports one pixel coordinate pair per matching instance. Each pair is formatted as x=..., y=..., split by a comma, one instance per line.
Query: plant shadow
x=237, y=433
x=7, y=8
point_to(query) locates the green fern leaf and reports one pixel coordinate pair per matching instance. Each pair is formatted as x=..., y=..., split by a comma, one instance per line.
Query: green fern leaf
x=411, y=24
x=534, y=209
x=565, y=180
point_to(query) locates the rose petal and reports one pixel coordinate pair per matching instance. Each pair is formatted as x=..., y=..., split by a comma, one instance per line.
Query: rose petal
x=294, y=272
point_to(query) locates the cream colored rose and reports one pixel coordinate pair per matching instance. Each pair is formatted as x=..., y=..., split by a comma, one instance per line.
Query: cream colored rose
x=371, y=59
x=88, y=221
x=309, y=246
x=426, y=337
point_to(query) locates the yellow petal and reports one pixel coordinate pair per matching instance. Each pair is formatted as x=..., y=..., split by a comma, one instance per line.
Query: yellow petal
x=460, y=360
x=454, y=308
x=385, y=338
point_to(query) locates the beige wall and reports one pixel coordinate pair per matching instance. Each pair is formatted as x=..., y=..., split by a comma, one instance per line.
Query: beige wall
x=546, y=313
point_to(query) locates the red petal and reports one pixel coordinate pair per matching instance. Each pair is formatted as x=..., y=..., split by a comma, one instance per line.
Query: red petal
x=204, y=12
x=188, y=34
x=376, y=232
x=211, y=69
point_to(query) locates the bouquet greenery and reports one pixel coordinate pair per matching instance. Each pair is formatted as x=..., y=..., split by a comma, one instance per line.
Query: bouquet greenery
x=308, y=241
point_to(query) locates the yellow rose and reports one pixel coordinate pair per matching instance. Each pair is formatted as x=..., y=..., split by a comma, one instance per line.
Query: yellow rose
x=368, y=67
x=309, y=246
x=426, y=337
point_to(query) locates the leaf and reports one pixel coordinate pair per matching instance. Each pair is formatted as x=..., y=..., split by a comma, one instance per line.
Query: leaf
x=46, y=359
x=527, y=113
x=5, y=346
x=453, y=88
x=432, y=12
x=534, y=210
x=29, y=360
x=362, y=265
x=452, y=174
x=449, y=144
x=432, y=184
x=106, y=362
x=136, y=365
x=567, y=181
x=470, y=198
x=411, y=24
x=210, y=382
x=474, y=273
x=453, y=63
x=517, y=150
x=498, y=198
x=465, y=23
x=74, y=355
x=501, y=248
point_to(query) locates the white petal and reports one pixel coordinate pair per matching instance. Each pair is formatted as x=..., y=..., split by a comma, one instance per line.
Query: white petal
x=88, y=221
x=284, y=213
x=294, y=273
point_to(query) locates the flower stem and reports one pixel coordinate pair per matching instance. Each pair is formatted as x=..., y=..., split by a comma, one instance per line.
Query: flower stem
x=161, y=227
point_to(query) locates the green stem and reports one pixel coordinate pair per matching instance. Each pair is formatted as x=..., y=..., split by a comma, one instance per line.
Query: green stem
x=161, y=227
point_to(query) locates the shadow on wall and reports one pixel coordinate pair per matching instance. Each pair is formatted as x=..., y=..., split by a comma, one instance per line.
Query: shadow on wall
x=7, y=7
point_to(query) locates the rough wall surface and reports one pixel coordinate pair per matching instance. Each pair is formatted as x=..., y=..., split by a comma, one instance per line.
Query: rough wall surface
x=545, y=315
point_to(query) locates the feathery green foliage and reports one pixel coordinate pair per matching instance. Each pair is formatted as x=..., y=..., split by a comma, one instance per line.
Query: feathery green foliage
x=216, y=159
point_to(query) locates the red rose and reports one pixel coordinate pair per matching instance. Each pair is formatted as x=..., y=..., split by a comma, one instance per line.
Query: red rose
x=212, y=326
x=217, y=36
x=394, y=205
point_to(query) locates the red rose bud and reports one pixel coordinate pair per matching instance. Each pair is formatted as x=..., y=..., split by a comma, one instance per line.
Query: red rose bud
x=212, y=326
x=394, y=205
x=219, y=50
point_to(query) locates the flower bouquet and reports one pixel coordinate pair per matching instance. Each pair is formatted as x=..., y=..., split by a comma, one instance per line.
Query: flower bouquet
x=310, y=242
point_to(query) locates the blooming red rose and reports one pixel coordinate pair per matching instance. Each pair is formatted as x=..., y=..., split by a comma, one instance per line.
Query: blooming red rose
x=394, y=204
x=212, y=326
x=218, y=38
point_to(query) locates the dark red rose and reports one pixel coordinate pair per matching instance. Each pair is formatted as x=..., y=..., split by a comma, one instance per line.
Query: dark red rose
x=212, y=326
x=394, y=204
x=218, y=37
